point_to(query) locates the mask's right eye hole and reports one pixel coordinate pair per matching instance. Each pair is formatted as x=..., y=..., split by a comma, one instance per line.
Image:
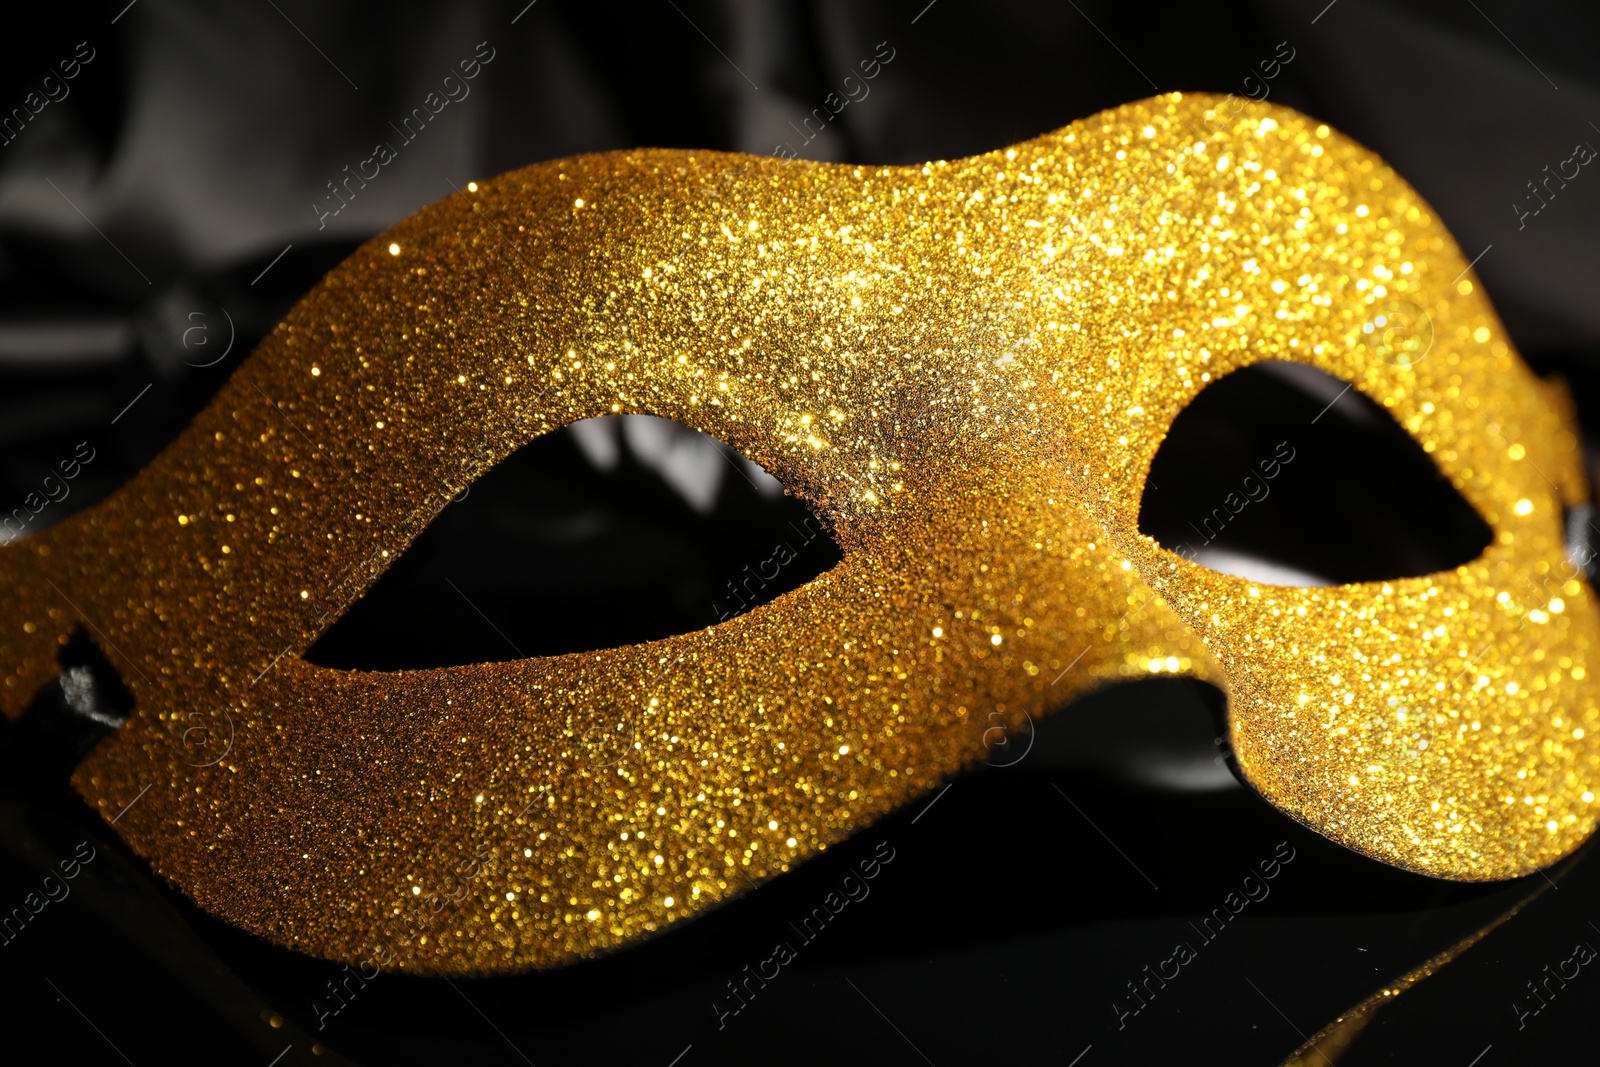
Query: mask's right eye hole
x=1284, y=474
x=609, y=532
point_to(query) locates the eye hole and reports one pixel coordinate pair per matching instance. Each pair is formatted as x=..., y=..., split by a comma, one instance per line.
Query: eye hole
x=1167, y=734
x=608, y=532
x=1284, y=474
x=87, y=703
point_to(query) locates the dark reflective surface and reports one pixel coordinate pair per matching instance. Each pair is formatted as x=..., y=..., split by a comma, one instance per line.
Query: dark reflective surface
x=1007, y=923
x=1018, y=907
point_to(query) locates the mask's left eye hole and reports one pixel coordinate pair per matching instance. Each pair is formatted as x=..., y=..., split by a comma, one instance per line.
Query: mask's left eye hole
x=612, y=531
x=1284, y=474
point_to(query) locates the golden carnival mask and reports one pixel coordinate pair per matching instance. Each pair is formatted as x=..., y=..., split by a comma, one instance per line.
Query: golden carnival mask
x=965, y=368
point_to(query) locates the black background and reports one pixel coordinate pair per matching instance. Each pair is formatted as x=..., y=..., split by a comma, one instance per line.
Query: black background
x=188, y=157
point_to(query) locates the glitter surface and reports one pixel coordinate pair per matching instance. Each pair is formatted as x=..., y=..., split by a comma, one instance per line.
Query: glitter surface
x=966, y=368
